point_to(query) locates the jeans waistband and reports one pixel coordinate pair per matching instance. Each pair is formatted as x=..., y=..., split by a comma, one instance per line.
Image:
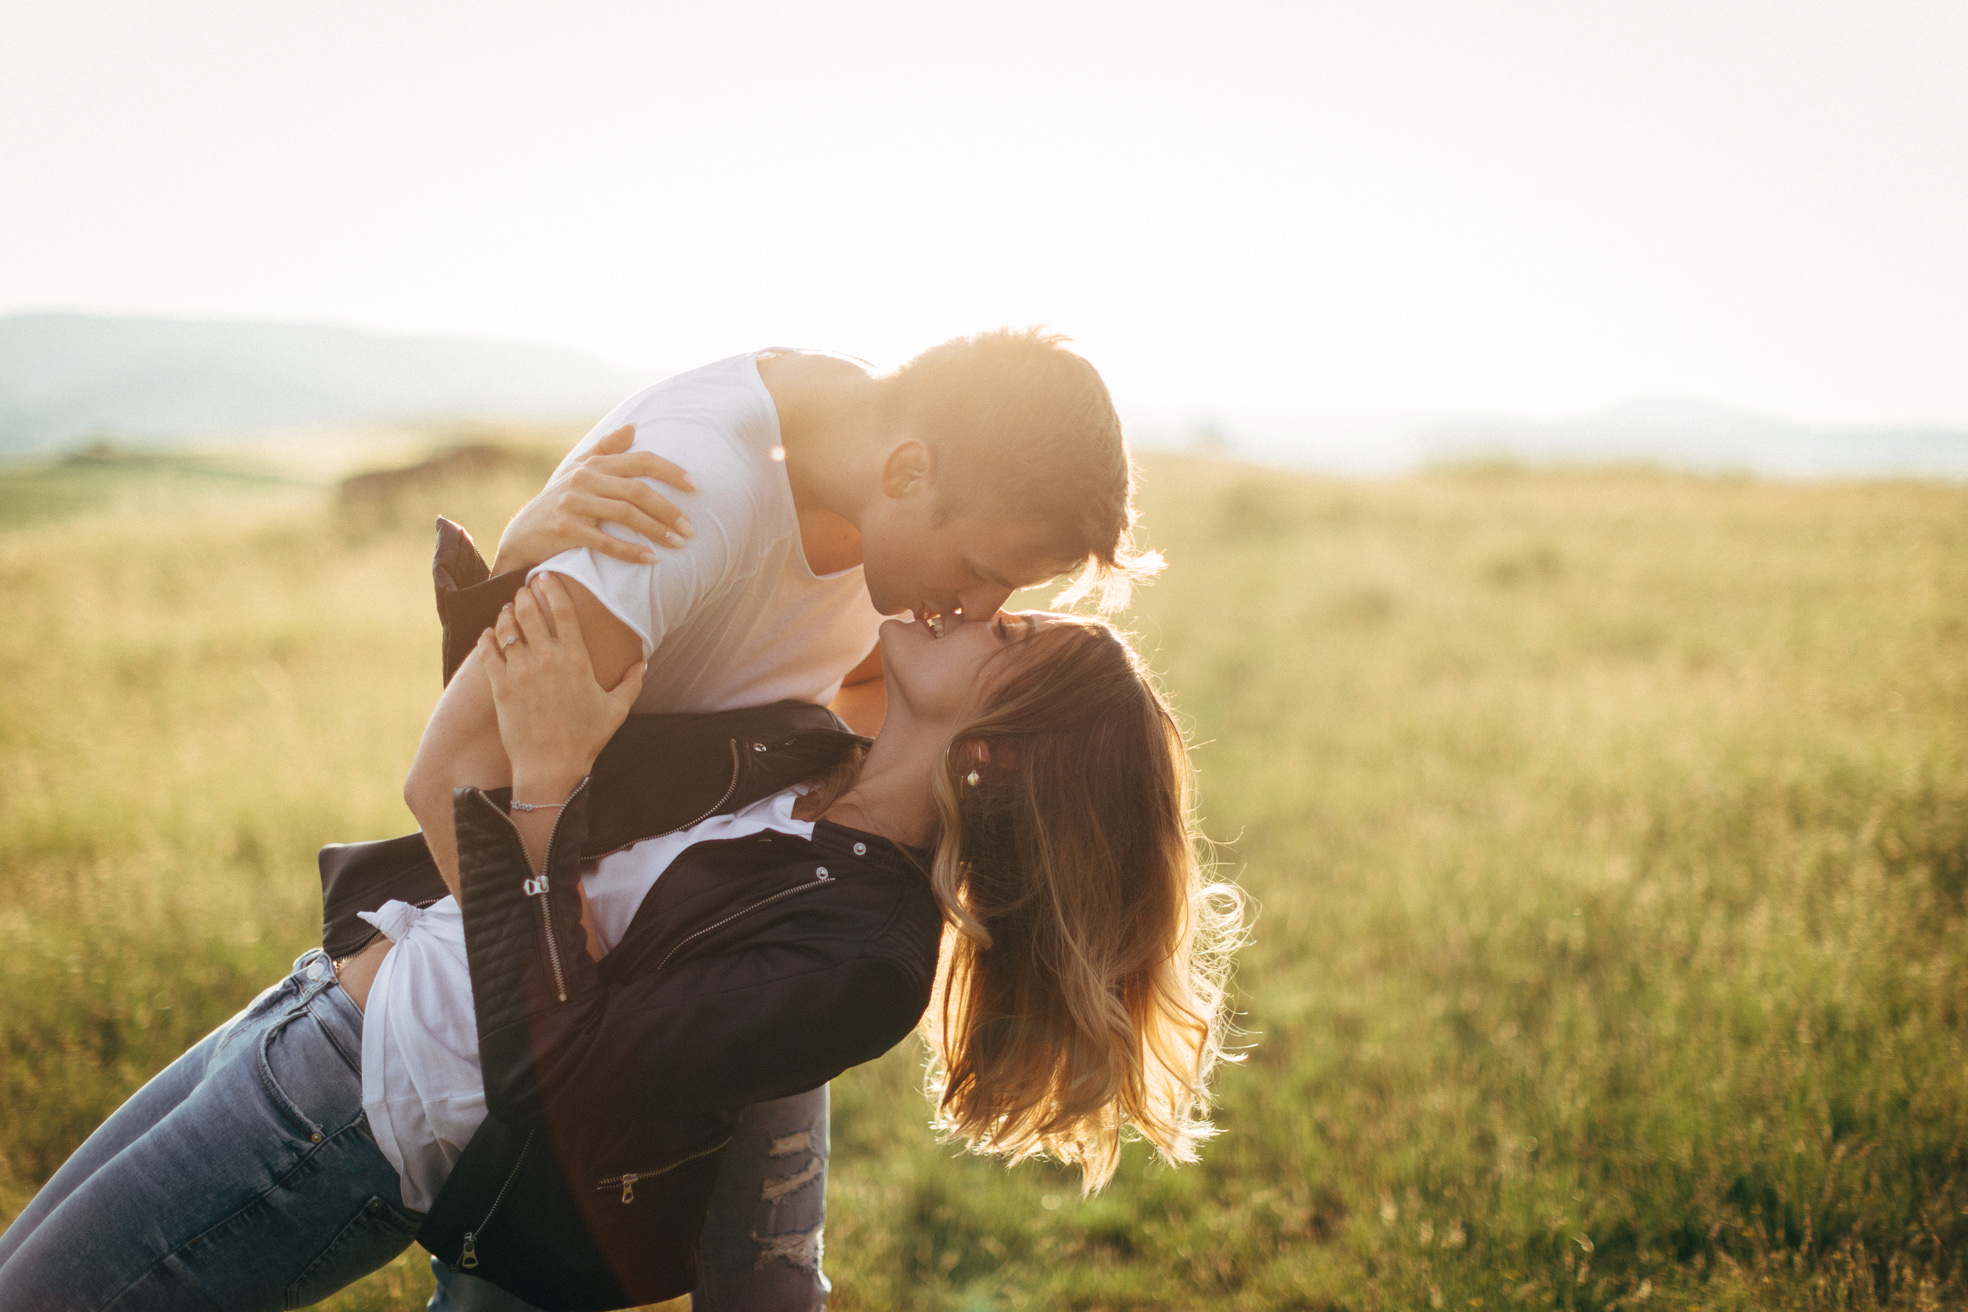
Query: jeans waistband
x=317, y=990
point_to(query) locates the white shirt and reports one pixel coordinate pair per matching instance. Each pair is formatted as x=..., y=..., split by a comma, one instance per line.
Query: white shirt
x=735, y=617
x=422, y=1086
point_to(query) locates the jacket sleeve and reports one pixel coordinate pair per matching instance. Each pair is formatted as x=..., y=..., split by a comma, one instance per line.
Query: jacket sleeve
x=469, y=595
x=530, y=971
x=762, y=1018
x=707, y=1035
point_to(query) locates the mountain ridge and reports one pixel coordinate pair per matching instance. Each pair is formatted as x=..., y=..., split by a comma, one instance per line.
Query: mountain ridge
x=145, y=381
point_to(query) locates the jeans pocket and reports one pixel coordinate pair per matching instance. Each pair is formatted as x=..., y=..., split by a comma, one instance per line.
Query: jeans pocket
x=306, y=1076
x=372, y=1237
x=269, y=999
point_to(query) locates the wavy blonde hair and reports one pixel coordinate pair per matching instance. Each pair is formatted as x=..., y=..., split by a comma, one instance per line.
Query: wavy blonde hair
x=1081, y=995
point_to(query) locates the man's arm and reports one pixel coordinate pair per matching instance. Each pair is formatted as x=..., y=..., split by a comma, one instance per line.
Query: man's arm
x=863, y=697
x=461, y=745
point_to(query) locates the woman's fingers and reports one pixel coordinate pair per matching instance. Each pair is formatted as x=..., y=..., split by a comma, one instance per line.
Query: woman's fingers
x=622, y=696
x=614, y=452
x=535, y=628
x=644, y=464
x=560, y=609
x=505, y=629
x=494, y=661
x=615, y=480
x=615, y=443
x=601, y=507
x=584, y=533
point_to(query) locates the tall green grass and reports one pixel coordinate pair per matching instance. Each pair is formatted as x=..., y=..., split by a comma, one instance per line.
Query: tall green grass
x=1609, y=834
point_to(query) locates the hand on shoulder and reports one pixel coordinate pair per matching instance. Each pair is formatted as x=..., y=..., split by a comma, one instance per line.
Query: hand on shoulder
x=608, y=484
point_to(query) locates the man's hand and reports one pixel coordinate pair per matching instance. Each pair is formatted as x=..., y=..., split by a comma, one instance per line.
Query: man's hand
x=604, y=486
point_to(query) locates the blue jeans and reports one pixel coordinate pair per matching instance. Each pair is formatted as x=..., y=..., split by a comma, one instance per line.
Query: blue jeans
x=760, y=1251
x=242, y=1176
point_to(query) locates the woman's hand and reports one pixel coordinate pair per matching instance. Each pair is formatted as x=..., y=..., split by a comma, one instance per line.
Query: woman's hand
x=604, y=486
x=554, y=719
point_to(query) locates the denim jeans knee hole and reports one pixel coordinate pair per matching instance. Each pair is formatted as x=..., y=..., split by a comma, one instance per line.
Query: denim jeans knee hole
x=799, y=1248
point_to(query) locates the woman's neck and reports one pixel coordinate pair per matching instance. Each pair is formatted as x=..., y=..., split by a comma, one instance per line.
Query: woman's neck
x=891, y=795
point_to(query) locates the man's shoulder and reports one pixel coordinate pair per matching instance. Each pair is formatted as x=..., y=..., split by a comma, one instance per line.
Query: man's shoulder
x=718, y=422
x=725, y=394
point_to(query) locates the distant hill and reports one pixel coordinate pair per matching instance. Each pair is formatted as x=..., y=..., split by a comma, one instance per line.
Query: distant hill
x=1690, y=433
x=1669, y=432
x=64, y=377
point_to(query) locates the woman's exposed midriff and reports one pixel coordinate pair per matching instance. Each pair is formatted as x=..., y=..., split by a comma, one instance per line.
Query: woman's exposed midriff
x=358, y=972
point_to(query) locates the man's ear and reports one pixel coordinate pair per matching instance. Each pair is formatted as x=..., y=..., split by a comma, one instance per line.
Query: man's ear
x=907, y=470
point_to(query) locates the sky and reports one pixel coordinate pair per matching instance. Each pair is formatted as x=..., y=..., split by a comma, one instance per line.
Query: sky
x=1533, y=206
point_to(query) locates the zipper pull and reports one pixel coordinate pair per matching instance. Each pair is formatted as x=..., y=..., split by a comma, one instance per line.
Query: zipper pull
x=470, y=1258
x=628, y=1187
x=536, y=886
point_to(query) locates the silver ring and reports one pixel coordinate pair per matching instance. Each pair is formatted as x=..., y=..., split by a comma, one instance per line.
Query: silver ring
x=509, y=642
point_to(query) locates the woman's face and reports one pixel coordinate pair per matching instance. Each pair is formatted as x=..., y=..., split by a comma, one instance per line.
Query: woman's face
x=948, y=679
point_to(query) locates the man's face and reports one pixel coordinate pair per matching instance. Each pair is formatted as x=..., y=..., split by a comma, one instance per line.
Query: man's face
x=967, y=562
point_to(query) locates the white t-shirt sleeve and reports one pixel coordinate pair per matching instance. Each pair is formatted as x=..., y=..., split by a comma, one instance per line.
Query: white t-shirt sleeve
x=652, y=599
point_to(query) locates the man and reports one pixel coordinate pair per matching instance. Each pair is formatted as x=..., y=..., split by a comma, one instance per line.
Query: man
x=825, y=497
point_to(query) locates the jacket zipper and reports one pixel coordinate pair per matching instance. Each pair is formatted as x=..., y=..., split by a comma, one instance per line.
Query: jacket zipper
x=536, y=886
x=820, y=877
x=469, y=1258
x=628, y=1179
x=729, y=789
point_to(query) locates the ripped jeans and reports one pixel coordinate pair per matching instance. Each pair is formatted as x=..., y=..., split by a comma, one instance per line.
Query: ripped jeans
x=760, y=1251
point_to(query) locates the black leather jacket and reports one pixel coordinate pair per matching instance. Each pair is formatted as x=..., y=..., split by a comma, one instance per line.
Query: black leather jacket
x=756, y=968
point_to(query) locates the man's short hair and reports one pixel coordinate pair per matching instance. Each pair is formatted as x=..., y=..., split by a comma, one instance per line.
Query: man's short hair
x=1022, y=424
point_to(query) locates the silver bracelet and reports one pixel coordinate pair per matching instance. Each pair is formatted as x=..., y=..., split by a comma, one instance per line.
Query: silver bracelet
x=535, y=806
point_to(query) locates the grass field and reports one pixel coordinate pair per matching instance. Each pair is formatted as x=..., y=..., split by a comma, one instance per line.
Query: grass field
x=1609, y=830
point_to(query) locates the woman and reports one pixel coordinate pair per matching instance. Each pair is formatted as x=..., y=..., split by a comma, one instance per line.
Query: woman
x=1026, y=767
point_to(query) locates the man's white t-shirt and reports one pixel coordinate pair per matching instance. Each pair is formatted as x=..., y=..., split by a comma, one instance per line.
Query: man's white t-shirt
x=735, y=617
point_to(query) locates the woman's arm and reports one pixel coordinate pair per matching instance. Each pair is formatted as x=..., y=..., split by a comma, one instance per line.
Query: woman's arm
x=553, y=716
x=463, y=744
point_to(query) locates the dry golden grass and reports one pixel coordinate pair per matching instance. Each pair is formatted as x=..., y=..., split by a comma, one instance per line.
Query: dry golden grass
x=1610, y=833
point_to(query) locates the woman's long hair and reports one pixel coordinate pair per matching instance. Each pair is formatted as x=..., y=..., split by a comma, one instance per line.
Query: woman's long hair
x=1081, y=993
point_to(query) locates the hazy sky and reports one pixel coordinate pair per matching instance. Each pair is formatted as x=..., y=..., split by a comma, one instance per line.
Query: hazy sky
x=1542, y=205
